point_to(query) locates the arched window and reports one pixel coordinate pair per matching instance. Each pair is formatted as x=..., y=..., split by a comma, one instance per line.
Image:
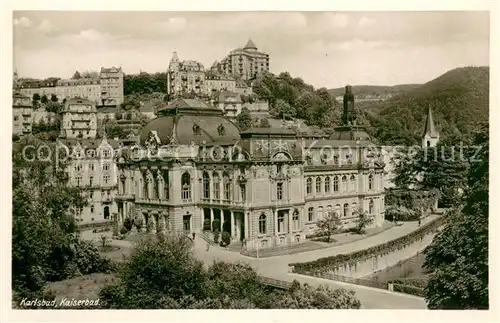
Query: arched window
x=156, y=192
x=186, y=187
x=344, y=183
x=353, y=183
x=309, y=186
x=337, y=210
x=149, y=183
x=295, y=220
x=320, y=213
x=166, y=185
x=206, y=185
x=216, y=180
x=310, y=214
x=371, y=207
x=354, y=209
x=327, y=184
x=227, y=186
x=262, y=224
x=335, y=183
x=370, y=182
x=318, y=184
x=346, y=210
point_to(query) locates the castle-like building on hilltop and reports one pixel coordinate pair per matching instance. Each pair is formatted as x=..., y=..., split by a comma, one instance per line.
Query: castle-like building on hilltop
x=266, y=186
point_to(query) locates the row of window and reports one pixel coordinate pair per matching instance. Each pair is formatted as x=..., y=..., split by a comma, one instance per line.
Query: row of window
x=105, y=166
x=78, y=180
x=281, y=222
x=327, y=187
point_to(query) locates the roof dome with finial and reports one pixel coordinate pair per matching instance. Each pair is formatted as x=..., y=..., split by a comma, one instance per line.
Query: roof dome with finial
x=250, y=45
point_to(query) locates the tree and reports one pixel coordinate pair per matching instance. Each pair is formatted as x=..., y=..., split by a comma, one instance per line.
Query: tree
x=53, y=98
x=329, y=225
x=458, y=255
x=363, y=220
x=244, y=119
x=36, y=97
x=53, y=107
x=45, y=246
x=76, y=76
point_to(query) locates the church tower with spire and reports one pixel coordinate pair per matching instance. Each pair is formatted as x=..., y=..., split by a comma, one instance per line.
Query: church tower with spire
x=430, y=136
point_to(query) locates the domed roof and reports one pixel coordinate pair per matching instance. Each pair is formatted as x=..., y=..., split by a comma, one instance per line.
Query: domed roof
x=185, y=122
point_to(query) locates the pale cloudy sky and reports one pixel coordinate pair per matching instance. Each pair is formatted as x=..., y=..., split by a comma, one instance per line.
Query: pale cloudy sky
x=328, y=49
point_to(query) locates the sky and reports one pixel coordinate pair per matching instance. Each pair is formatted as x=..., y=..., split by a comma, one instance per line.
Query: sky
x=325, y=49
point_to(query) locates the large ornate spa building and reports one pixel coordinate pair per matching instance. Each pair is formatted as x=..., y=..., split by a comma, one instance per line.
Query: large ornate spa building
x=267, y=186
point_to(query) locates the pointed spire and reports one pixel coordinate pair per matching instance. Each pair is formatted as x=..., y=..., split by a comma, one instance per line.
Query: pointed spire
x=250, y=45
x=430, y=129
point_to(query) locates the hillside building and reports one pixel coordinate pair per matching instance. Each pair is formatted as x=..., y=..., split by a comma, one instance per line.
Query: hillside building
x=185, y=77
x=22, y=115
x=79, y=119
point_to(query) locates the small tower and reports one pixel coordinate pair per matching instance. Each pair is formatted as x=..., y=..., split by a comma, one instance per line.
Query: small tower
x=349, y=114
x=15, y=79
x=430, y=137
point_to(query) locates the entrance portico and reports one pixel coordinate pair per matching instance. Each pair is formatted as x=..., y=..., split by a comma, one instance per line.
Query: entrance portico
x=230, y=221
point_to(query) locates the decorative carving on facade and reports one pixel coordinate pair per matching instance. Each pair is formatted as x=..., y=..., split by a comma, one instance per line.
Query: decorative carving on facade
x=152, y=143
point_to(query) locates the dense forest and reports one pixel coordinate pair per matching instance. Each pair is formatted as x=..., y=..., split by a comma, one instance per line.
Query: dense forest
x=459, y=101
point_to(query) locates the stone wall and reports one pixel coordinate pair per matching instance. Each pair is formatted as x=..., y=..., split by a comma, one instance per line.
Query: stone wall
x=380, y=262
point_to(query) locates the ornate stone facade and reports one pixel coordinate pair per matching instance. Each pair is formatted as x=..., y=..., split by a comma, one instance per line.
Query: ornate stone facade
x=267, y=186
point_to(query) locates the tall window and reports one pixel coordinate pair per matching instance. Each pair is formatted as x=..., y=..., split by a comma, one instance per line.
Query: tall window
x=91, y=180
x=310, y=214
x=227, y=186
x=370, y=182
x=353, y=183
x=106, y=179
x=243, y=192
x=344, y=183
x=335, y=183
x=124, y=188
x=216, y=179
x=327, y=184
x=78, y=180
x=145, y=188
x=279, y=191
x=346, y=210
x=318, y=184
x=354, y=209
x=156, y=192
x=337, y=209
x=371, y=207
x=262, y=224
x=186, y=187
x=295, y=219
x=206, y=185
x=166, y=185
x=320, y=213
x=309, y=186
x=281, y=222
x=91, y=166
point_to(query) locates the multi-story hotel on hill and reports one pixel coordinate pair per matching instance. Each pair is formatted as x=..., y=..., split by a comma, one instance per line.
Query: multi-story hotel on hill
x=106, y=90
x=184, y=77
x=245, y=63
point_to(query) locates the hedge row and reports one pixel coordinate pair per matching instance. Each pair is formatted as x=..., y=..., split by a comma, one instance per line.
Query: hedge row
x=407, y=289
x=412, y=199
x=342, y=260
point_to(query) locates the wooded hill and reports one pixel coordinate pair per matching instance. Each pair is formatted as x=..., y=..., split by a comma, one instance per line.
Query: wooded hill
x=459, y=100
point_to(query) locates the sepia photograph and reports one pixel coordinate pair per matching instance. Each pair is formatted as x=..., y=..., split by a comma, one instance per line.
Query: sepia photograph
x=183, y=160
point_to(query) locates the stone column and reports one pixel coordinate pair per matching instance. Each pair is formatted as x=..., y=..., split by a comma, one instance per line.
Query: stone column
x=290, y=220
x=246, y=225
x=221, y=187
x=221, y=220
x=153, y=219
x=275, y=218
x=161, y=223
x=144, y=224
x=211, y=218
x=233, y=225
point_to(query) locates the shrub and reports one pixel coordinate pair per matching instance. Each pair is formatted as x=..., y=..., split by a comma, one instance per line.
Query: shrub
x=118, y=116
x=216, y=225
x=226, y=238
x=123, y=230
x=407, y=289
x=127, y=224
x=216, y=236
x=206, y=225
x=15, y=138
